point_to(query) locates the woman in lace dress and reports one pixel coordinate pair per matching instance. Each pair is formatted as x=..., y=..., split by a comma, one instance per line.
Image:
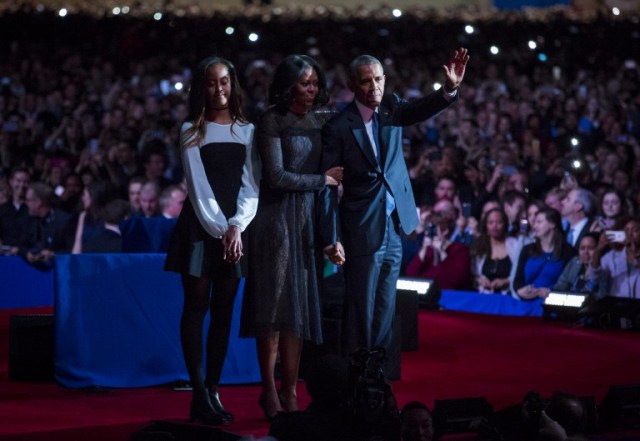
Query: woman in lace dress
x=282, y=305
x=206, y=247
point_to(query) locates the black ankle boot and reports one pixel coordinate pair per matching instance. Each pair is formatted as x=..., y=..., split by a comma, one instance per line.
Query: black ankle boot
x=202, y=411
x=217, y=405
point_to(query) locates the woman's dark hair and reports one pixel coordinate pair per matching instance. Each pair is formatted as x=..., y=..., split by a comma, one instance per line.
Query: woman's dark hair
x=286, y=76
x=198, y=99
x=624, y=210
x=482, y=245
x=552, y=216
x=101, y=192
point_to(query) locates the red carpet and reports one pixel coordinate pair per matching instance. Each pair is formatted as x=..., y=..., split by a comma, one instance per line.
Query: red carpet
x=461, y=355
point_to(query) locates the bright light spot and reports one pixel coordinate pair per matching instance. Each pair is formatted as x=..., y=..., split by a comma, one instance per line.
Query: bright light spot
x=178, y=85
x=615, y=11
x=469, y=29
x=532, y=44
x=229, y=30
x=542, y=57
x=575, y=142
x=157, y=16
x=397, y=13
x=115, y=11
x=253, y=37
x=125, y=9
x=494, y=50
x=437, y=86
x=62, y=12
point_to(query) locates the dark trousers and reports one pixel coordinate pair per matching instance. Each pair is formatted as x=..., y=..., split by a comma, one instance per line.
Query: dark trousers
x=370, y=297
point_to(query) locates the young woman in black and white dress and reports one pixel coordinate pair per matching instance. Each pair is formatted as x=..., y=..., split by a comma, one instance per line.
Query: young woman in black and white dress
x=207, y=246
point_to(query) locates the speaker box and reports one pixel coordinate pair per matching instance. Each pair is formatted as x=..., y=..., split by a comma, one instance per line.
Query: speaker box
x=164, y=430
x=460, y=415
x=407, y=308
x=31, y=347
x=620, y=408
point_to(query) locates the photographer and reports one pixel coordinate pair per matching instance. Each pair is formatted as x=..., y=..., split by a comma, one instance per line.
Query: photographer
x=446, y=261
x=619, y=267
x=334, y=414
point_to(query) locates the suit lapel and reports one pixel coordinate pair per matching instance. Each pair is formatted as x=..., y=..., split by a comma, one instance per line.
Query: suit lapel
x=360, y=134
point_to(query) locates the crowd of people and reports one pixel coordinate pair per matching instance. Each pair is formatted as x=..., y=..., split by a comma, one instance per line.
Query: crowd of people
x=528, y=183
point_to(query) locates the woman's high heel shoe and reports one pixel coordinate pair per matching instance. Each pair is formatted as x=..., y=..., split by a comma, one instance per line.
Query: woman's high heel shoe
x=218, y=407
x=262, y=401
x=287, y=405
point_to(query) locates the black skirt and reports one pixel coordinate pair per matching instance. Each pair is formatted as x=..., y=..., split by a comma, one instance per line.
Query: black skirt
x=192, y=251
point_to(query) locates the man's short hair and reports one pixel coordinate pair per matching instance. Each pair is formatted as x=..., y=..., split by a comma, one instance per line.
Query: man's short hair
x=511, y=196
x=44, y=192
x=362, y=60
x=585, y=198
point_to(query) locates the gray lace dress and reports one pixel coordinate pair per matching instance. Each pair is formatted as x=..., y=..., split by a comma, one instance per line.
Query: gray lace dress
x=282, y=288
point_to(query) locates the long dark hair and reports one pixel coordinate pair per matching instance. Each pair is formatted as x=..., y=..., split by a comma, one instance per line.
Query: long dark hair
x=552, y=216
x=198, y=99
x=482, y=245
x=287, y=73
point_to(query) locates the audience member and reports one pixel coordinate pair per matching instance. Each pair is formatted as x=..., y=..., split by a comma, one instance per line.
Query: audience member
x=133, y=193
x=576, y=276
x=494, y=254
x=577, y=207
x=108, y=237
x=541, y=263
x=90, y=221
x=417, y=422
x=154, y=162
x=14, y=212
x=171, y=201
x=49, y=230
x=513, y=204
x=149, y=195
x=619, y=267
x=612, y=211
x=440, y=259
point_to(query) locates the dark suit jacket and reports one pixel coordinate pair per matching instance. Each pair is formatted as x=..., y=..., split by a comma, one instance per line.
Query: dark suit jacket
x=359, y=223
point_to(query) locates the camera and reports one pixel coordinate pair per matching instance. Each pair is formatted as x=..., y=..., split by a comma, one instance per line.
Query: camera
x=432, y=230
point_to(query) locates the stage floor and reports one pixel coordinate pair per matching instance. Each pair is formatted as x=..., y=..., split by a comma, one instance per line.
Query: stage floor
x=461, y=355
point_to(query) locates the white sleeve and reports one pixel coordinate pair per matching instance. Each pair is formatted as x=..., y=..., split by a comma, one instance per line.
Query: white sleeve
x=248, y=195
x=201, y=194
